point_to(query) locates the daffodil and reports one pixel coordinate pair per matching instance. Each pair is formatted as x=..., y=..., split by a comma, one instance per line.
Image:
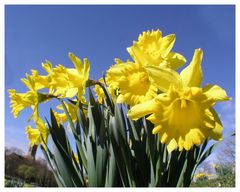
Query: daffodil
x=19, y=101
x=153, y=49
x=76, y=157
x=62, y=117
x=133, y=83
x=40, y=81
x=112, y=78
x=38, y=135
x=69, y=82
x=200, y=175
x=131, y=78
x=31, y=98
x=183, y=114
x=100, y=93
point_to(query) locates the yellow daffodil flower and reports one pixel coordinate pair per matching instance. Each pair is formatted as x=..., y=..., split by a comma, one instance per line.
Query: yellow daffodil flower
x=133, y=82
x=200, y=175
x=20, y=101
x=100, y=93
x=40, y=81
x=183, y=114
x=69, y=82
x=38, y=135
x=62, y=117
x=153, y=49
x=76, y=157
x=131, y=78
x=31, y=98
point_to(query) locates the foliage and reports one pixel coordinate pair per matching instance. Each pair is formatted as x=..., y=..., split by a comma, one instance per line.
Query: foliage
x=225, y=177
x=113, y=150
x=13, y=183
x=27, y=172
x=18, y=167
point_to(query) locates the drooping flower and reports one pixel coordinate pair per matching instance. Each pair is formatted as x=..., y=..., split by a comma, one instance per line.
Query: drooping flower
x=40, y=81
x=183, y=114
x=153, y=49
x=69, y=82
x=31, y=98
x=133, y=83
x=62, y=117
x=100, y=93
x=19, y=101
x=38, y=135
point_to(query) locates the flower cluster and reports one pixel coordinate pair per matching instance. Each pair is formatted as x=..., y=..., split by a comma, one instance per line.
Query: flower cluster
x=175, y=102
x=60, y=82
x=181, y=110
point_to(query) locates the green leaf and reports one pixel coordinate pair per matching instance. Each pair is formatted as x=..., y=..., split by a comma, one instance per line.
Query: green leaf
x=91, y=165
x=63, y=153
x=120, y=124
x=51, y=161
x=66, y=169
x=181, y=177
x=101, y=165
x=208, y=152
x=93, y=114
x=111, y=178
x=120, y=162
x=134, y=129
x=69, y=120
x=82, y=154
x=82, y=120
x=108, y=98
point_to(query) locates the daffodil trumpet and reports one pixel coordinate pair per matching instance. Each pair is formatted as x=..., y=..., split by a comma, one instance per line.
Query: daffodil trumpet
x=183, y=114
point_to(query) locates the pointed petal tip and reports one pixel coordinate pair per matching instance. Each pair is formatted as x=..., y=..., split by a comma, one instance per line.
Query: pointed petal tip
x=70, y=54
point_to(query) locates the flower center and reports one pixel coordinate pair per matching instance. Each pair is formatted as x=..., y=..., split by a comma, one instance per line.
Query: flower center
x=139, y=83
x=184, y=112
x=153, y=50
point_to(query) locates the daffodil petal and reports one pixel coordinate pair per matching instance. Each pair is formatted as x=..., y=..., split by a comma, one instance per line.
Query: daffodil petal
x=172, y=145
x=139, y=56
x=71, y=92
x=163, y=78
x=167, y=43
x=156, y=129
x=175, y=60
x=86, y=69
x=192, y=76
x=33, y=135
x=116, y=69
x=47, y=66
x=215, y=92
x=142, y=109
x=77, y=62
x=216, y=133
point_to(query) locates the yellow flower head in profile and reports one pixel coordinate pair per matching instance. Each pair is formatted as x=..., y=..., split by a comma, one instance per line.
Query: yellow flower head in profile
x=183, y=114
x=62, y=117
x=31, y=98
x=200, y=175
x=100, y=93
x=69, y=82
x=153, y=49
x=133, y=83
x=38, y=135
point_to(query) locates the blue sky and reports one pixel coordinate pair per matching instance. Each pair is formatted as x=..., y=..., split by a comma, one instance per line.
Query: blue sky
x=102, y=33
